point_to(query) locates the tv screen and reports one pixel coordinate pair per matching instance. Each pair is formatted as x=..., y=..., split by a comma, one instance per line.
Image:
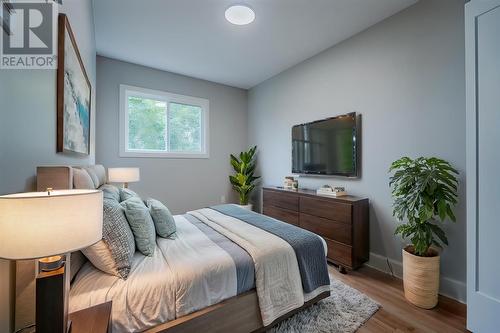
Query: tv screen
x=326, y=147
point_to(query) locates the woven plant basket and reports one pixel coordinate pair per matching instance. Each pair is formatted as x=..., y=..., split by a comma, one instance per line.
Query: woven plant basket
x=421, y=278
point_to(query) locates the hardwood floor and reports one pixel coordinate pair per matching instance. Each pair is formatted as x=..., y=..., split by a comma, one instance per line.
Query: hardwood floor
x=396, y=314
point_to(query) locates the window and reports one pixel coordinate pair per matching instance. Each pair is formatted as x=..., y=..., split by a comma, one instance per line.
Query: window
x=160, y=124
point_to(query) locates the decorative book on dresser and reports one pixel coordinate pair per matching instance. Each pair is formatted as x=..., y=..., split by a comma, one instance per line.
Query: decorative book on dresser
x=343, y=221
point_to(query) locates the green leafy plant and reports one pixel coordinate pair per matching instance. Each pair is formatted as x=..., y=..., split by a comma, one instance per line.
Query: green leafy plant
x=424, y=191
x=244, y=179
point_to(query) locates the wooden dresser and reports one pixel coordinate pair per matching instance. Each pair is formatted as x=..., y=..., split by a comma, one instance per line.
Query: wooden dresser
x=343, y=222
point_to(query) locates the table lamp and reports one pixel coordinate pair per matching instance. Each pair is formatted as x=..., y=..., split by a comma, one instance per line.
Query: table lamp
x=123, y=175
x=48, y=226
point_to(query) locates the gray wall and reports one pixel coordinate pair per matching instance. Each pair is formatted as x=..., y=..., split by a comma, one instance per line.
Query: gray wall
x=406, y=77
x=182, y=184
x=28, y=126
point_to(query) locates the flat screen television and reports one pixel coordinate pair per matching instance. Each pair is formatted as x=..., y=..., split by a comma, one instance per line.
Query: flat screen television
x=327, y=147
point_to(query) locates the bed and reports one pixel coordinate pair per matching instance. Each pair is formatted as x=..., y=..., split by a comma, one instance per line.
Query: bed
x=226, y=269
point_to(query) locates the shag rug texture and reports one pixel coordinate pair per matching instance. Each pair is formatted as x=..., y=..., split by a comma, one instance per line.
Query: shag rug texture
x=343, y=312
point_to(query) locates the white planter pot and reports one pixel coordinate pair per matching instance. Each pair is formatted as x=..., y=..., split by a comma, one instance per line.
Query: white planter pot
x=421, y=278
x=247, y=207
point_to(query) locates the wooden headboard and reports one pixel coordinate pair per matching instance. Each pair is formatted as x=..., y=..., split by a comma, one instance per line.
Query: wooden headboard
x=56, y=177
x=61, y=177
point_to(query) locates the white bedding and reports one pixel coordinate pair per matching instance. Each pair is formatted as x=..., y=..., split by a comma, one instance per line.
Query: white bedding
x=191, y=272
x=277, y=276
x=184, y=275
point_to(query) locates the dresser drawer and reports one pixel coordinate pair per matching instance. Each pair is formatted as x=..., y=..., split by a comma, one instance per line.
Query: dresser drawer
x=285, y=200
x=281, y=214
x=331, y=229
x=339, y=252
x=328, y=209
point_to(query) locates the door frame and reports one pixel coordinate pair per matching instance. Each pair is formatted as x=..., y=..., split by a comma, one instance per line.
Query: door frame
x=478, y=310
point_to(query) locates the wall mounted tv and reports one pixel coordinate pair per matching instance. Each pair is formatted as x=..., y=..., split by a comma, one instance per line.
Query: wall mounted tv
x=327, y=147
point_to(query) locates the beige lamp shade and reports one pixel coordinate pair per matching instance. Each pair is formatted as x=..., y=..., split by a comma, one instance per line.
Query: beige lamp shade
x=123, y=175
x=39, y=224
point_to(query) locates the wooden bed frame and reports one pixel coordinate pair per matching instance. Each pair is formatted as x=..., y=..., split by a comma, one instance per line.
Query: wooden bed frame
x=239, y=314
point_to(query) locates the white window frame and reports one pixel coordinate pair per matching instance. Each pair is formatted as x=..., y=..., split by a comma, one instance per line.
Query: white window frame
x=126, y=91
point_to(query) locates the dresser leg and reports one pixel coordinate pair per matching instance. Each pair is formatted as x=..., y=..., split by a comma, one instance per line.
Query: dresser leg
x=342, y=270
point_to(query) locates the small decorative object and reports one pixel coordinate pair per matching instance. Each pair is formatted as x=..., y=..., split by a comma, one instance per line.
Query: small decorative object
x=295, y=185
x=123, y=175
x=49, y=225
x=424, y=191
x=243, y=180
x=288, y=183
x=331, y=191
x=73, y=94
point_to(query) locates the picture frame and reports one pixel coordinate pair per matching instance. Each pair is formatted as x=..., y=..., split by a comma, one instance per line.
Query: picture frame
x=74, y=94
x=5, y=10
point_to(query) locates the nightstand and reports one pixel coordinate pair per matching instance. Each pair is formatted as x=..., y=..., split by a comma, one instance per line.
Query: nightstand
x=91, y=320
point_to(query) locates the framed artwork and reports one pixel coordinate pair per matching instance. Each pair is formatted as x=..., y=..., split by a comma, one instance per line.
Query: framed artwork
x=5, y=10
x=73, y=94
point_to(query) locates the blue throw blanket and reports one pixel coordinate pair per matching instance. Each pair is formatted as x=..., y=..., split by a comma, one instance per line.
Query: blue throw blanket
x=308, y=246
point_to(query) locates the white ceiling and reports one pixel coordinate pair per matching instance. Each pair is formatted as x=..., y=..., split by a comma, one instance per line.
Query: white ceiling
x=192, y=37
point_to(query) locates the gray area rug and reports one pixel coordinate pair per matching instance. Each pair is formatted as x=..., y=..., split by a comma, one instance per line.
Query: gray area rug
x=344, y=312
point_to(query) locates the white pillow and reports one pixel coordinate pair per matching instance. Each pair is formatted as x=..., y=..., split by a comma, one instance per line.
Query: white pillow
x=100, y=256
x=76, y=263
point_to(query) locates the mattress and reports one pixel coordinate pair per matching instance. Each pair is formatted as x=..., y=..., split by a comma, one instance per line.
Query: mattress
x=197, y=268
x=217, y=253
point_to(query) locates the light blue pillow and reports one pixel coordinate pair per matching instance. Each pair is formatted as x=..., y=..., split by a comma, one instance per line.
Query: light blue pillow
x=110, y=192
x=126, y=193
x=162, y=218
x=142, y=225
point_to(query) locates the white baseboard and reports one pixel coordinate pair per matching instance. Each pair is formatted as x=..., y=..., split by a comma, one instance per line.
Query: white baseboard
x=448, y=287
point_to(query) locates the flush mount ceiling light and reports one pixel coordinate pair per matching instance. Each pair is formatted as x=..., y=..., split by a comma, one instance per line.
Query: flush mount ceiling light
x=240, y=15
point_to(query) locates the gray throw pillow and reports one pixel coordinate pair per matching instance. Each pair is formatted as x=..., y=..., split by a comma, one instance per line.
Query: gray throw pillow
x=118, y=238
x=100, y=172
x=126, y=193
x=82, y=180
x=162, y=218
x=142, y=225
x=110, y=192
x=92, y=175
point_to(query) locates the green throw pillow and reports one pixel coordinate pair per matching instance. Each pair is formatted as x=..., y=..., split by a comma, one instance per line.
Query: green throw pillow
x=163, y=219
x=142, y=225
x=126, y=193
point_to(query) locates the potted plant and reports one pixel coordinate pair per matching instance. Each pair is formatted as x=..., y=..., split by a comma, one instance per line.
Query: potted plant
x=243, y=180
x=425, y=192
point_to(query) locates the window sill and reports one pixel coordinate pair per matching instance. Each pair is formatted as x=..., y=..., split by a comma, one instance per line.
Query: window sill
x=144, y=154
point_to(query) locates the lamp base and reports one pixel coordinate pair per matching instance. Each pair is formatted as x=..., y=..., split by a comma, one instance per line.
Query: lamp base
x=48, y=264
x=52, y=289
